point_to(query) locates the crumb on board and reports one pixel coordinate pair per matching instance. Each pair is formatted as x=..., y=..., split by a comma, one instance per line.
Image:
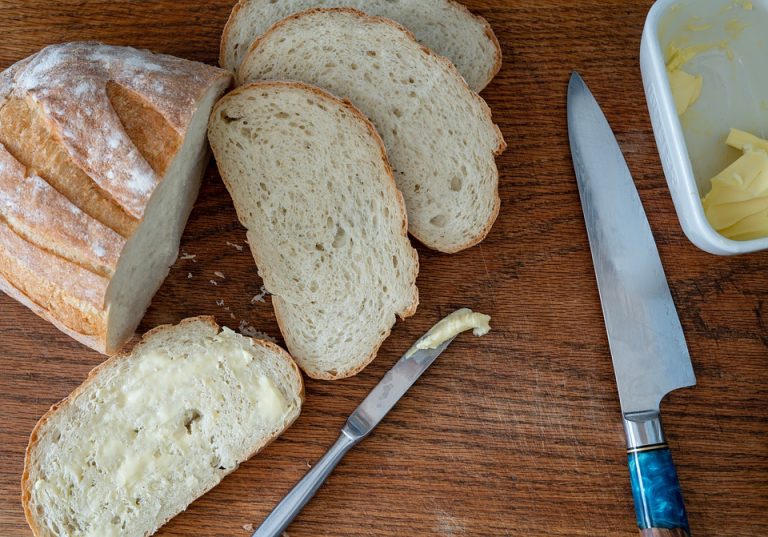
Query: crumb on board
x=248, y=528
x=189, y=275
x=247, y=330
x=220, y=274
x=237, y=247
x=188, y=257
x=261, y=297
x=232, y=315
x=214, y=282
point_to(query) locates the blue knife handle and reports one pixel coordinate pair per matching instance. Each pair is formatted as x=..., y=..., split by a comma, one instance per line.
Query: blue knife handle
x=655, y=487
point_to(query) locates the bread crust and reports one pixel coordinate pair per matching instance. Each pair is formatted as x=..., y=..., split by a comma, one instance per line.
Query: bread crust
x=491, y=35
x=354, y=111
x=126, y=355
x=501, y=144
x=487, y=30
x=225, y=34
x=90, y=243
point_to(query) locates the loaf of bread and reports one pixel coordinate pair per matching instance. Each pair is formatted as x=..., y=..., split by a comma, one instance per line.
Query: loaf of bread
x=439, y=135
x=326, y=224
x=444, y=26
x=102, y=150
x=152, y=430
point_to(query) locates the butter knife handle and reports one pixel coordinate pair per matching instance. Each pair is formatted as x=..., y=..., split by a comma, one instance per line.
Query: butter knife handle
x=290, y=506
x=655, y=487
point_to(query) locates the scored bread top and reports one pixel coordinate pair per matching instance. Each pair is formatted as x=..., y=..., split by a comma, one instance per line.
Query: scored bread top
x=71, y=84
x=445, y=26
x=326, y=224
x=87, y=132
x=439, y=135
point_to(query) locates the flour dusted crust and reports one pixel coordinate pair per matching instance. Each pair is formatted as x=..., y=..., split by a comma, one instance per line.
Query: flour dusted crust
x=77, y=171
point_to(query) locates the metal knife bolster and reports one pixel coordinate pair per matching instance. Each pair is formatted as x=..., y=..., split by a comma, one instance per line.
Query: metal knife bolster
x=644, y=430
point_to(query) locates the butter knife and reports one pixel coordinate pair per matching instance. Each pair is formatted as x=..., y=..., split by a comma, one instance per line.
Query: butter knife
x=650, y=357
x=360, y=423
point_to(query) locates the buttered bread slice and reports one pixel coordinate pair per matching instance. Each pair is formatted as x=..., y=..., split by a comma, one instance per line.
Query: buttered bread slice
x=439, y=135
x=152, y=430
x=445, y=26
x=102, y=150
x=326, y=224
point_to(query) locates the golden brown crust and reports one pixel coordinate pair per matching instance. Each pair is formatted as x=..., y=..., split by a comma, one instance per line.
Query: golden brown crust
x=206, y=319
x=445, y=62
x=71, y=230
x=41, y=215
x=355, y=112
x=95, y=342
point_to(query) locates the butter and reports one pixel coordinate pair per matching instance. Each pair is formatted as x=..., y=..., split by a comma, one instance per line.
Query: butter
x=457, y=322
x=737, y=204
x=686, y=89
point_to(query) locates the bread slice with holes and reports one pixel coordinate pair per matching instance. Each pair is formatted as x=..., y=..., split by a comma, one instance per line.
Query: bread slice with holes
x=102, y=150
x=326, y=224
x=444, y=26
x=439, y=135
x=152, y=430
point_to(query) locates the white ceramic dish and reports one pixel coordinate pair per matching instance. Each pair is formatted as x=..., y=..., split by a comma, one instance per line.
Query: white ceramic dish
x=734, y=94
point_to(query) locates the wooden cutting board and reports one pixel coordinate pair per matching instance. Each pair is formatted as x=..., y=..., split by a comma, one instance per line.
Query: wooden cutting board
x=517, y=433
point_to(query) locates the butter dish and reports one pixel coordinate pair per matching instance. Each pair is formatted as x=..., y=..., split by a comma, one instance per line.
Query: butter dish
x=724, y=44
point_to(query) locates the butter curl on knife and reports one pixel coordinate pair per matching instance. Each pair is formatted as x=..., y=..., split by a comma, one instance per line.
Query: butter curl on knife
x=457, y=322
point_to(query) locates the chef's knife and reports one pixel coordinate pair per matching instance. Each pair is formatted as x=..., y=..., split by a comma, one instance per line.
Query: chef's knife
x=650, y=357
x=361, y=422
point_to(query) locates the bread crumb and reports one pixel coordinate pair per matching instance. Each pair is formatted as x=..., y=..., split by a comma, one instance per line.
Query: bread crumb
x=261, y=297
x=235, y=246
x=214, y=282
x=248, y=528
x=189, y=275
x=220, y=275
x=232, y=315
x=188, y=257
x=247, y=330
x=220, y=303
x=309, y=464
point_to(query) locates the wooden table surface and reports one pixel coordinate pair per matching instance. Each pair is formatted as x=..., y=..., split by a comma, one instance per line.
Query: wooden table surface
x=517, y=433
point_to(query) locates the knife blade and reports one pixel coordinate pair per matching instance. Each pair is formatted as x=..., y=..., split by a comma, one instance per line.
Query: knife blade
x=647, y=345
x=360, y=423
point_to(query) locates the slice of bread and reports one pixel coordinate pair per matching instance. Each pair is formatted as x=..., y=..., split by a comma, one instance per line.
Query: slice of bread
x=102, y=150
x=444, y=26
x=326, y=225
x=439, y=135
x=152, y=430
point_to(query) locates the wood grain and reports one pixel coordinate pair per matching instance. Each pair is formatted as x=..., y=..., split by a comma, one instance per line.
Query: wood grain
x=517, y=433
